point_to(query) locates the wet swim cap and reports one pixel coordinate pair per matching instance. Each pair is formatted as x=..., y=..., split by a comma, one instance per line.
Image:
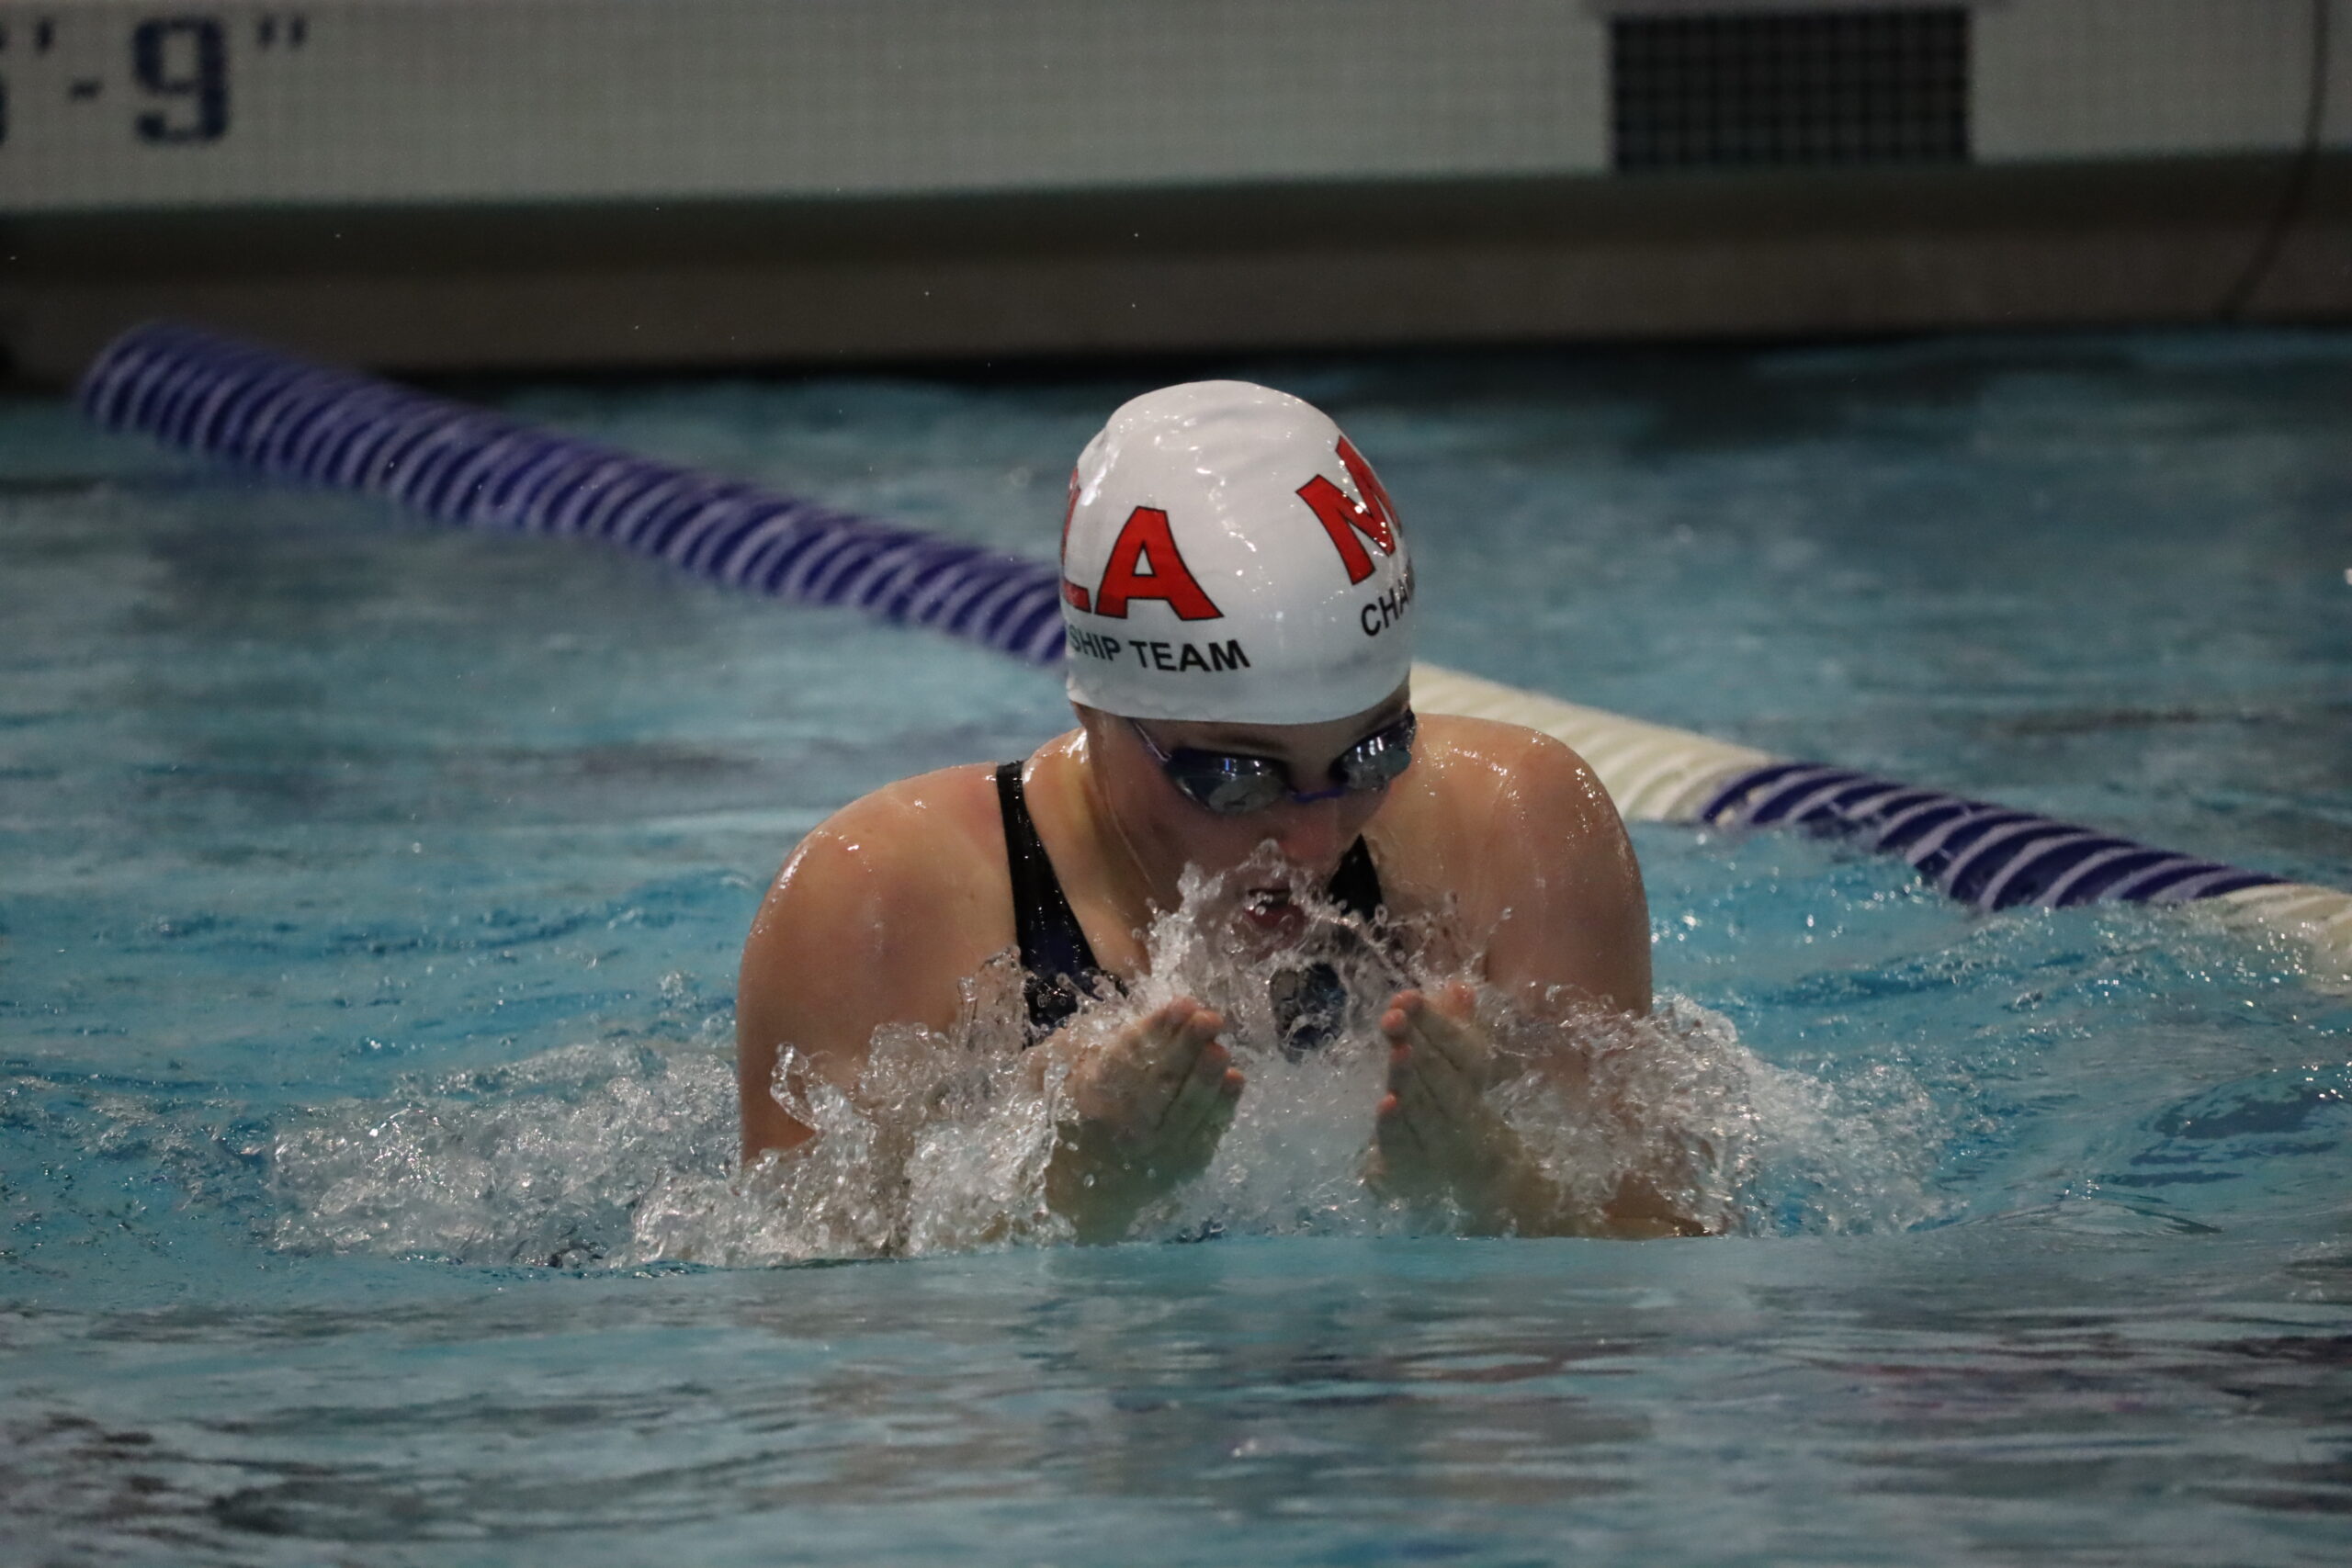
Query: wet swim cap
x=1227, y=555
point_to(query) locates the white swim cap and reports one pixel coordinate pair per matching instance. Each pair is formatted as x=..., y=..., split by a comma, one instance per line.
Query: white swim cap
x=1227, y=555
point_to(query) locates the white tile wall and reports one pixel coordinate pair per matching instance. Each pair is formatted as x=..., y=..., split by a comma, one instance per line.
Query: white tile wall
x=459, y=100
x=2335, y=129
x=2139, y=78
x=455, y=99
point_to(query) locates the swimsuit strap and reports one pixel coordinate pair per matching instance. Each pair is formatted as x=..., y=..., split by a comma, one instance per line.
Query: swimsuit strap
x=1057, y=963
x=1355, y=886
x=1058, y=969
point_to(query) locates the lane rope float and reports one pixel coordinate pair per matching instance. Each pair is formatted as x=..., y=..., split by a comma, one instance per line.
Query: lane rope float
x=290, y=419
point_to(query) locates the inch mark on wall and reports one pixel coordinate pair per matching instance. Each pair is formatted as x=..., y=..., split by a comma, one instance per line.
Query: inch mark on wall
x=172, y=68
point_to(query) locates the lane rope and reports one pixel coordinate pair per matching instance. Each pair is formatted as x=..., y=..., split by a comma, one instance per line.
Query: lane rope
x=473, y=470
x=466, y=467
x=1989, y=856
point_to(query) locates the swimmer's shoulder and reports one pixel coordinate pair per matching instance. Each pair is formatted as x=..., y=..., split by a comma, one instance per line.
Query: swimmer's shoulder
x=881, y=910
x=1481, y=765
x=876, y=917
x=1488, y=813
x=919, y=838
x=1513, y=836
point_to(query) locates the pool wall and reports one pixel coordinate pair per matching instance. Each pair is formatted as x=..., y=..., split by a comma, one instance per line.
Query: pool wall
x=523, y=183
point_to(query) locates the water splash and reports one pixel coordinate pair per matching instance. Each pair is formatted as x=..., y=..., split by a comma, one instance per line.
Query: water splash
x=942, y=1146
x=542, y=1162
x=625, y=1153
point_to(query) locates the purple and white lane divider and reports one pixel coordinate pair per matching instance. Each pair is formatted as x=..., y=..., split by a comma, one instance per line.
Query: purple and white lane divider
x=293, y=419
x=1985, y=855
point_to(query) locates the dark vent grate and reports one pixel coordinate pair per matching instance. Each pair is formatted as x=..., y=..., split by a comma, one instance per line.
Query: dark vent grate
x=1744, y=89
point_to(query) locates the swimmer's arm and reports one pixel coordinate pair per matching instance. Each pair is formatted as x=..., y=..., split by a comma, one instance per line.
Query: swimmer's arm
x=1571, y=931
x=1573, y=923
x=848, y=939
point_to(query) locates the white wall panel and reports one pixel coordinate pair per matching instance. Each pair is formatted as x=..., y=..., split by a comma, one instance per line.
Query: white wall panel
x=504, y=99
x=2140, y=78
x=2336, y=128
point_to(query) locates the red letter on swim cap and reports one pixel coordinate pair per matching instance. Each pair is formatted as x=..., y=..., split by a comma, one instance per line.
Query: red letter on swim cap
x=1343, y=519
x=1145, y=538
x=1375, y=494
x=1070, y=591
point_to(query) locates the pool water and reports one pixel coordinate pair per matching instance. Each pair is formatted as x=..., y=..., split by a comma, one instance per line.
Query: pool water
x=370, y=896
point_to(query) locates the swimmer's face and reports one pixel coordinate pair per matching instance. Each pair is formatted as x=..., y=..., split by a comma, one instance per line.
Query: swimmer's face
x=1171, y=830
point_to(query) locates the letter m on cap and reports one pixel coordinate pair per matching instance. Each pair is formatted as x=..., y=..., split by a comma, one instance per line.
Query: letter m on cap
x=1343, y=518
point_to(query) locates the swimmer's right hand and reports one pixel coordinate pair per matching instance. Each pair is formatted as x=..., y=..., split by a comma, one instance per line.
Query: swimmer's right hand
x=1144, y=1111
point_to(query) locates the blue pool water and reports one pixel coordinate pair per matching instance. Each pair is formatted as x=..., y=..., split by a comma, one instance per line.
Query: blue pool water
x=369, y=897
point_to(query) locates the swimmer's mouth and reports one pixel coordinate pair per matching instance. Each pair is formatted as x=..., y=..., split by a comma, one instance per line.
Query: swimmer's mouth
x=1271, y=908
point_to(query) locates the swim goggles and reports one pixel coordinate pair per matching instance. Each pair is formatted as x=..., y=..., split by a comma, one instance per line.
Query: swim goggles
x=1238, y=785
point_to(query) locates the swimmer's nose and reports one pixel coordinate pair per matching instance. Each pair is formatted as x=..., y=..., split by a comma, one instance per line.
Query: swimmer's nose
x=1310, y=836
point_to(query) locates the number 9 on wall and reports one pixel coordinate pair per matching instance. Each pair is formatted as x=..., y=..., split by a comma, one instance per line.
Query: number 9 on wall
x=183, y=58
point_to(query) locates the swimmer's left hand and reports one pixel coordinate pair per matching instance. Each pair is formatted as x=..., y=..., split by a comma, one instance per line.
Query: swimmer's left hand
x=1437, y=1140
x=1435, y=1137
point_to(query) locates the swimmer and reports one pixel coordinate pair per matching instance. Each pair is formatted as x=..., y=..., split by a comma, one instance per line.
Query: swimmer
x=1239, y=607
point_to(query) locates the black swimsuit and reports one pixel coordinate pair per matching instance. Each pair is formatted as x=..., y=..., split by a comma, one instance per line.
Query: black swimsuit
x=1059, y=971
